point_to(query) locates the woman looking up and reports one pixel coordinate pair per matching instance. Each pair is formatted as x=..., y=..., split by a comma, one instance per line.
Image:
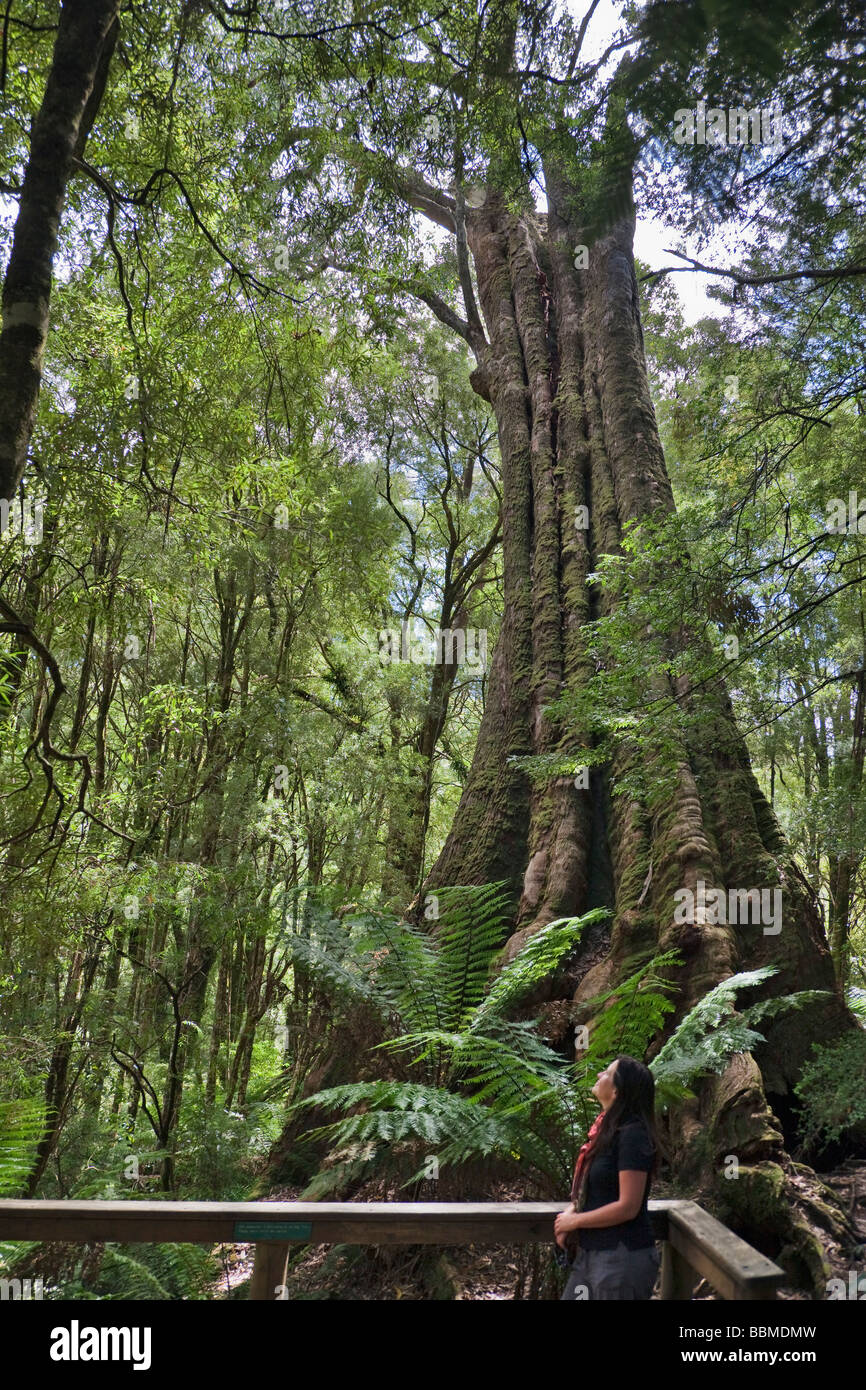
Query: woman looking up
x=616, y=1255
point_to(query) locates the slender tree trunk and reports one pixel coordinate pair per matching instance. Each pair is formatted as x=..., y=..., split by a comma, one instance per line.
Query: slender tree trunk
x=203, y=936
x=219, y=1026
x=239, y=1074
x=58, y=1086
x=843, y=867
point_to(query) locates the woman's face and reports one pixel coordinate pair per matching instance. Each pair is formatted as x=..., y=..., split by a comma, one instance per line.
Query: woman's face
x=604, y=1089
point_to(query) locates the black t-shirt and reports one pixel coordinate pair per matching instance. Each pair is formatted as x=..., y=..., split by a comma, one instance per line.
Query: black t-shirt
x=632, y=1148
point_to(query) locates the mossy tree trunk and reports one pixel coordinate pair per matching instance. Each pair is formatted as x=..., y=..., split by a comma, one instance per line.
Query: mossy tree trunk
x=563, y=365
x=87, y=33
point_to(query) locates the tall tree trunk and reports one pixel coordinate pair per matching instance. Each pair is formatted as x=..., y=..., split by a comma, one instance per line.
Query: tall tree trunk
x=843, y=867
x=59, y=1087
x=86, y=36
x=219, y=1027
x=565, y=370
x=204, y=936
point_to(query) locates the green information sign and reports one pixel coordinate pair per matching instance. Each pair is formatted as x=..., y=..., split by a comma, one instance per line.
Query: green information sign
x=273, y=1230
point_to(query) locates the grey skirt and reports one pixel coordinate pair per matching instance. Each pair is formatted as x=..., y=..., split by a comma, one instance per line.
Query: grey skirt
x=617, y=1273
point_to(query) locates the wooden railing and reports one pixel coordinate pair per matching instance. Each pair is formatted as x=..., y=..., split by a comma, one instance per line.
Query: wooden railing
x=695, y=1244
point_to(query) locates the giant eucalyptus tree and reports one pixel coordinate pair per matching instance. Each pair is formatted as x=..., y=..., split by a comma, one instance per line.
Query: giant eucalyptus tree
x=550, y=311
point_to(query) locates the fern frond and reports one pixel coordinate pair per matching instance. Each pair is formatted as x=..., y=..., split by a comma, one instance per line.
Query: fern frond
x=434, y=1042
x=325, y=959
x=713, y=1031
x=539, y=957
x=168, y=1270
x=781, y=1003
x=394, y=1112
x=636, y=1012
x=508, y=1061
x=856, y=999
x=470, y=932
x=186, y=1270
x=539, y=1150
x=14, y=1254
x=513, y=1074
x=127, y=1278
x=405, y=961
x=22, y=1123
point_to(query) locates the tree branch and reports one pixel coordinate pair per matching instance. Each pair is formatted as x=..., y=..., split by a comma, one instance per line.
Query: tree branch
x=17, y=627
x=437, y=205
x=476, y=338
x=445, y=314
x=840, y=273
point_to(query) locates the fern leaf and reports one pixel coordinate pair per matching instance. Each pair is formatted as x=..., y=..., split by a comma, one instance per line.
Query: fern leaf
x=538, y=958
x=22, y=1123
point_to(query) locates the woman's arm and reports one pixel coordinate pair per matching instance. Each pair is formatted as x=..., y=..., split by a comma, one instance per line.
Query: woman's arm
x=632, y=1185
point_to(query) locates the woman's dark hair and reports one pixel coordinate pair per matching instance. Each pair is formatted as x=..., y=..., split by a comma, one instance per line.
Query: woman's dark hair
x=635, y=1088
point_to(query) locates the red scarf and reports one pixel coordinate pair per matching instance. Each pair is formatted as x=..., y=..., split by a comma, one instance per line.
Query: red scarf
x=584, y=1154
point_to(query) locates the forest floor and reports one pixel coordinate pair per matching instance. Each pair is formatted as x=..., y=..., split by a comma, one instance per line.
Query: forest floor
x=482, y=1273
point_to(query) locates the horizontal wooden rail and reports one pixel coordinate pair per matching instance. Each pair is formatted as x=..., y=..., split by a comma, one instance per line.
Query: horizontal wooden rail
x=695, y=1243
x=315, y=1223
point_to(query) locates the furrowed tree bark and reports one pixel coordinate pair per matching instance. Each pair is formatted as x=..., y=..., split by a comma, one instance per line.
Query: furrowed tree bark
x=566, y=374
x=76, y=81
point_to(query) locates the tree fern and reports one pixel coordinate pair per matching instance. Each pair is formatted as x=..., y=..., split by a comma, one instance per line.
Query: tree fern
x=487, y=1086
x=493, y=1087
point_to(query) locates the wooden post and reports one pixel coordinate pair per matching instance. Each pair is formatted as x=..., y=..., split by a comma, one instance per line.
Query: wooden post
x=269, y=1270
x=678, y=1278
